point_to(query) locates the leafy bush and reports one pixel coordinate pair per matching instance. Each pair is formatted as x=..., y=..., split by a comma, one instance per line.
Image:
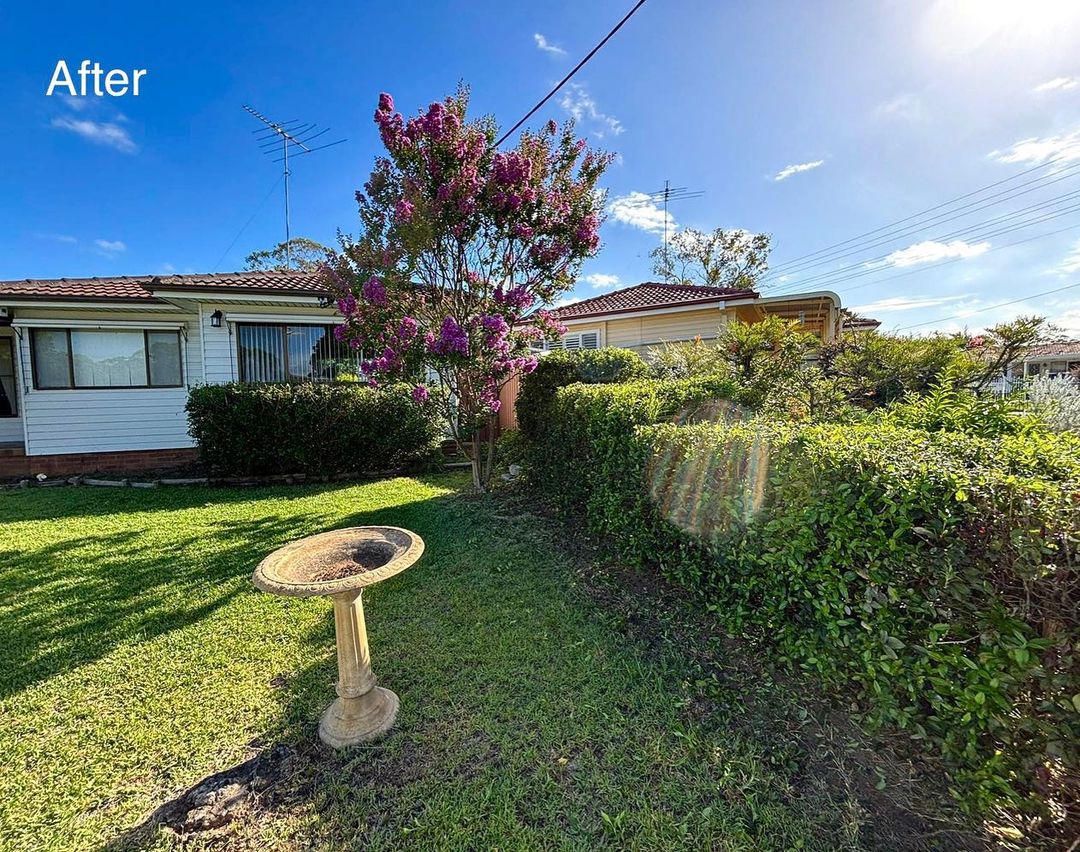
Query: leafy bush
x=875, y=369
x=929, y=574
x=685, y=359
x=560, y=368
x=948, y=409
x=249, y=429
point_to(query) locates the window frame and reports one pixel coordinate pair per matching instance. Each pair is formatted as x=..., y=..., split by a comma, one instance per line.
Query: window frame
x=71, y=360
x=283, y=327
x=14, y=377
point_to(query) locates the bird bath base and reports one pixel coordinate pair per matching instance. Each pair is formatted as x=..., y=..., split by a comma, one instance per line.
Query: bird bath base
x=340, y=565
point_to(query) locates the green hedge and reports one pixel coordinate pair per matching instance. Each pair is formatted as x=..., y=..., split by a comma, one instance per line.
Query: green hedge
x=262, y=429
x=560, y=368
x=930, y=575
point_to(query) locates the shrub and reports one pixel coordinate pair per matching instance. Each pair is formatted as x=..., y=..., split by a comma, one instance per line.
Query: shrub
x=557, y=369
x=249, y=429
x=928, y=574
x=948, y=409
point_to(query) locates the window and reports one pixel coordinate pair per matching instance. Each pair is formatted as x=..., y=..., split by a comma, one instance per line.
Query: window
x=65, y=358
x=8, y=406
x=293, y=353
x=578, y=340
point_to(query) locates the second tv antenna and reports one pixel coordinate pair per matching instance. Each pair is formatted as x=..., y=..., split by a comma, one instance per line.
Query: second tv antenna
x=282, y=139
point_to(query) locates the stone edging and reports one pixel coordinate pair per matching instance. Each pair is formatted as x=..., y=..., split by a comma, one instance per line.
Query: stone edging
x=209, y=481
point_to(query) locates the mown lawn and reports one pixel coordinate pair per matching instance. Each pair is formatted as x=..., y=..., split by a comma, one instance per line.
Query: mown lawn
x=136, y=659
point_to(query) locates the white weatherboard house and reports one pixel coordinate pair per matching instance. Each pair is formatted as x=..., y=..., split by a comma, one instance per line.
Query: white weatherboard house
x=95, y=372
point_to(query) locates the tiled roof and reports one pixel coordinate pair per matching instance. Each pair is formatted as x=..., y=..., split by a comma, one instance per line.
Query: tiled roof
x=1067, y=347
x=142, y=287
x=293, y=281
x=648, y=296
x=80, y=289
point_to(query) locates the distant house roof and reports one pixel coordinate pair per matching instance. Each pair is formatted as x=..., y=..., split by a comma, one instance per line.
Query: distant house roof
x=1051, y=350
x=141, y=288
x=651, y=295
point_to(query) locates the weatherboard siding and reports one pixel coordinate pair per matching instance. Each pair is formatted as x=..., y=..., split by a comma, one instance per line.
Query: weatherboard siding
x=644, y=332
x=114, y=419
x=220, y=343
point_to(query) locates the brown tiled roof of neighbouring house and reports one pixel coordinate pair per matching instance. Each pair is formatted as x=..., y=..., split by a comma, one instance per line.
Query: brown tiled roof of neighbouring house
x=651, y=295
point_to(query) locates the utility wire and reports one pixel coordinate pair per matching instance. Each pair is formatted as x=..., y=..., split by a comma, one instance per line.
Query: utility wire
x=920, y=213
x=573, y=71
x=1035, y=214
x=990, y=307
x=248, y=222
x=930, y=266
x=948, y=216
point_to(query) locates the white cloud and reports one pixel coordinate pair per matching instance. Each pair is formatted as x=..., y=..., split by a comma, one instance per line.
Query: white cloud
x=929, y=251
x=1070, y=263
x=98, y=132
x=58, y=238
x=1035, y=150
x=899, y=303
x=638, y=210
x=902, y=108
x=601, y=281
x=795, y=168
x=567, y=300
x=577, y=101
x=110, y=248
x=547, y=46
x=1058, y=84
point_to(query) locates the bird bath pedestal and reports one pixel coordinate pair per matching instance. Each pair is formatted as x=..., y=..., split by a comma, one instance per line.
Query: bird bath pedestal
x=339, y=565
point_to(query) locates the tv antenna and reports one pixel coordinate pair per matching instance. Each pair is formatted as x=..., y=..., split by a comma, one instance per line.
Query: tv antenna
x=291, y=136
x=667, y=195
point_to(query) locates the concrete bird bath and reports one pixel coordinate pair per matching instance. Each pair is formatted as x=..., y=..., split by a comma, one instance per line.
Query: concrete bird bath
x=340, y=564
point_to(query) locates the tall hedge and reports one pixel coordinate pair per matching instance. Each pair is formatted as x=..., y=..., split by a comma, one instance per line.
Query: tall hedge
x=263, y=429
x=932, y=576
x=609, y=365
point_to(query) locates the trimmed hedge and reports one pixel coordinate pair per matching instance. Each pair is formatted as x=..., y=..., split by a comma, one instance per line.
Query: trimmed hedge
x=265, y=429
x=930, y=575
x=560, y=368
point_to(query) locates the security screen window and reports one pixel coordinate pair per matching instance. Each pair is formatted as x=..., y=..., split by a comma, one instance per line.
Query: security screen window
x=105, y=358
x=293, y=353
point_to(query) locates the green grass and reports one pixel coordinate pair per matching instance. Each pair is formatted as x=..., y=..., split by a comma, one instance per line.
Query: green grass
x=136, y=658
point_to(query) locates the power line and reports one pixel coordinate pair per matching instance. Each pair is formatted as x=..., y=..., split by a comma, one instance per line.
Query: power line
x=921, y=212
x=973, y=232
x=573, y=71
x=930, y=266
x=248, y=222
x=991, y=307
x=948, y=216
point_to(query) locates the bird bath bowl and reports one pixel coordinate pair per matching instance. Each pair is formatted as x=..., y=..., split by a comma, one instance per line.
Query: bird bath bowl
x=339, y=565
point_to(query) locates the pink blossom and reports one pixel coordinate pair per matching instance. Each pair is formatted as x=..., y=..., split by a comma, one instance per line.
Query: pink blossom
x=420, y=394
x=374, y=292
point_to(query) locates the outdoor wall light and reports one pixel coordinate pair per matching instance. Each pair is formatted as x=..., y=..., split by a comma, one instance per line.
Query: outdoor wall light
x=215, y=319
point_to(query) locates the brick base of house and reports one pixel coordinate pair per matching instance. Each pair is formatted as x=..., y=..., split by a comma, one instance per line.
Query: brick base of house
x=14, y=463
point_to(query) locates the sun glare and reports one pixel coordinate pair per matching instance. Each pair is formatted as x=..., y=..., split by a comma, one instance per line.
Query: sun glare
x=961, y=26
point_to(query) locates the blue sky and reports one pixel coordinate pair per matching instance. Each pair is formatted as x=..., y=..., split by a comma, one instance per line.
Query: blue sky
x=889, y=108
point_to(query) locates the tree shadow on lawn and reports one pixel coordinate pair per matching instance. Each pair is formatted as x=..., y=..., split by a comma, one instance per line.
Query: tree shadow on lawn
x=526, y=714
x=71, y=602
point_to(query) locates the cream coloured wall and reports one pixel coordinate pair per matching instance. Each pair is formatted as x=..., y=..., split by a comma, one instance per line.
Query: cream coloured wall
x=644, y=332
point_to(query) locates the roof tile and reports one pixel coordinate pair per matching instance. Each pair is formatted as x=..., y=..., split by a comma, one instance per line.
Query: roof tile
x=142, y=287
x=648, y=296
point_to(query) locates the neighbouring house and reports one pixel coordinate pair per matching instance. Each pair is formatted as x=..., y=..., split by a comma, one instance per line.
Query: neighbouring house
x=648, y=315
x=95, y=371
x=1047, y=359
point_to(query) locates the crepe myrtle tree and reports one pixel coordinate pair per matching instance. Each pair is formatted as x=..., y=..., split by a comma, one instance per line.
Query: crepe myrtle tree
x=461, y=247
